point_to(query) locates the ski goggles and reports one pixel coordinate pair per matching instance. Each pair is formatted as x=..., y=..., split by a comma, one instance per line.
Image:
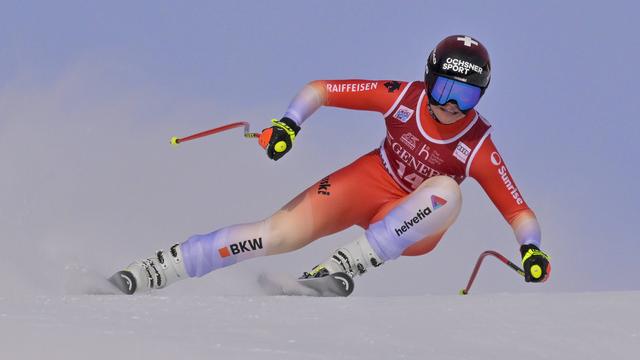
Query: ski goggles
x=444, y=90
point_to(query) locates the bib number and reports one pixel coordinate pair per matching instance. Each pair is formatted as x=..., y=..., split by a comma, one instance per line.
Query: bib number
x=412, y=178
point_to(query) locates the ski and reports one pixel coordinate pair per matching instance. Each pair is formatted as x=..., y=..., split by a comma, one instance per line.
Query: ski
x=335, y=285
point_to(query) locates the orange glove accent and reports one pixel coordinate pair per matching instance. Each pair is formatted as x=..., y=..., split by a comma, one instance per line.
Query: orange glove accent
x=265, y=137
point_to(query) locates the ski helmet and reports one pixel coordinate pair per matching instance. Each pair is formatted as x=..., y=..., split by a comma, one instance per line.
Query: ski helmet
x=458, y=69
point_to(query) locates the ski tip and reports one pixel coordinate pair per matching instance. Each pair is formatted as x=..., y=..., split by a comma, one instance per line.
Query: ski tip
x=124, y=281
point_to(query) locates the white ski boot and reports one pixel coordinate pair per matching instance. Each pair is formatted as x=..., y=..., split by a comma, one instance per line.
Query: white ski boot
x=352, y=259
x=153, y=273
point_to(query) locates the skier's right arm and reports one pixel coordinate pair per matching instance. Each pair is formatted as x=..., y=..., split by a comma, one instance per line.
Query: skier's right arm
x=356, y=94
x=370, y=95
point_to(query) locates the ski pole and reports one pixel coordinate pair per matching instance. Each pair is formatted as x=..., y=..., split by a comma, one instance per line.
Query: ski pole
x=176, y=140
x=500, y=257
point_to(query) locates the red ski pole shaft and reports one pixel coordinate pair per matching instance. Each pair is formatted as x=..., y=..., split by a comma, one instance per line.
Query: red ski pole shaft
x=500, y=257
x=176, y=140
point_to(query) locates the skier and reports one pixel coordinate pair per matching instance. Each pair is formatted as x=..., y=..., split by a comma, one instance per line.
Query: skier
x=405, y=194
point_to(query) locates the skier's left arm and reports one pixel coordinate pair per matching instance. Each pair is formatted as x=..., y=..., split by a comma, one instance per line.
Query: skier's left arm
x=491, y=172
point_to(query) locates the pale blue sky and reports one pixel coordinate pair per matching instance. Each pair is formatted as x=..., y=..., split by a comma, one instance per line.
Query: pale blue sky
x=90, y=93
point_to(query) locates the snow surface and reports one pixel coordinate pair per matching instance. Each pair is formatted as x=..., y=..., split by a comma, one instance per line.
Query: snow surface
x=481, y=326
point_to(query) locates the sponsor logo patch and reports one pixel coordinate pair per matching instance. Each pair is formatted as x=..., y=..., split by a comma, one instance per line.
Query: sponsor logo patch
x=437, y=202
x=357, y=87
x=392, y=86
x=240, y=247
x=408, y=224
x=410, y=167
x=403, y=114
x=495, y=159
x=410, y=140
x=462, y=152
x=460, y=66
x=424, y=152
x=323, y=187
x=506, y=178
x=224, y=252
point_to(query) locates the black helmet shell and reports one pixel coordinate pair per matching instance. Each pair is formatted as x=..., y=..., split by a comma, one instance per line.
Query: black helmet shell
x=462, y=58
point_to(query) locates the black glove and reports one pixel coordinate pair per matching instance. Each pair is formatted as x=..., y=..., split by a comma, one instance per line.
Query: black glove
x=535, y=264
x=278, y=139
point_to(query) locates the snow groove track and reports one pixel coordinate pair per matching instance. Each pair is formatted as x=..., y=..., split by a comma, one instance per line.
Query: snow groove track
x=493, y=326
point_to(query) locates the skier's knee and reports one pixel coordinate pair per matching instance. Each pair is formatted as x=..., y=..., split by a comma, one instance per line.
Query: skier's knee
x=428, y=211
x=445, y=186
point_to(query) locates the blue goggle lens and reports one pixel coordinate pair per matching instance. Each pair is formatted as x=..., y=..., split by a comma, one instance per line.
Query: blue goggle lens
x=445, y=90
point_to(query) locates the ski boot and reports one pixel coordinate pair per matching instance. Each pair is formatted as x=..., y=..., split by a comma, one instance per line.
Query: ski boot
x=353, y=259
x=152, y=273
